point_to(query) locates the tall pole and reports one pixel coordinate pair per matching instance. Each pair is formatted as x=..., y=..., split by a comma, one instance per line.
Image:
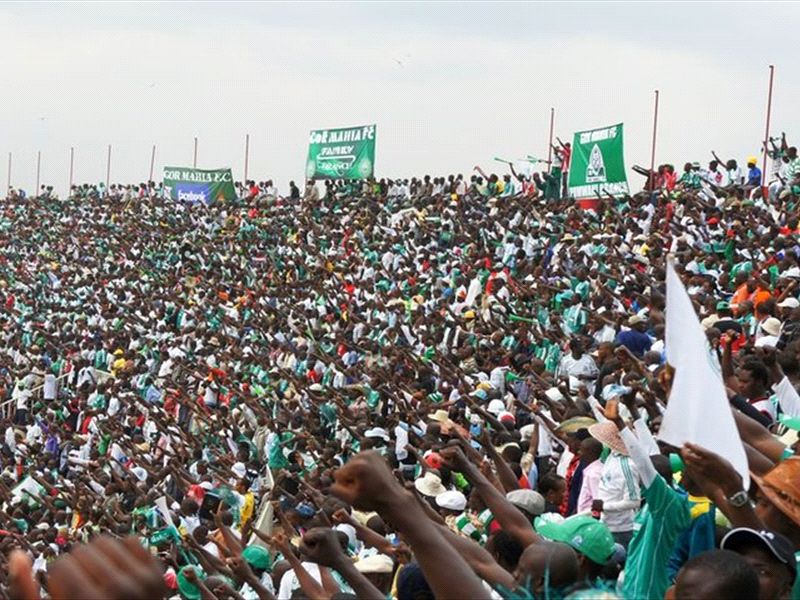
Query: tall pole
x=152, y=163
x=550, y=139
x=194, y=162
x=71, y=166
x=8, y=184
x=246, y=154
x=38, y=171
x=108, y=171
x=764, y=188
x=653, y=148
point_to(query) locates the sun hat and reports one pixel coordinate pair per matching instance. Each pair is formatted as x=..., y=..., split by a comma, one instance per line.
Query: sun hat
x=774, y=543
x=781, y=485
x=377, y=563
x=377, y=432
x=257, y=557
x=584, y=534
x=441, y=416
x=528, y=500
x=772, y=326
x=574, y=424
x=452, y=500
x=429, y=485
x=635, y=320
x=608, y=434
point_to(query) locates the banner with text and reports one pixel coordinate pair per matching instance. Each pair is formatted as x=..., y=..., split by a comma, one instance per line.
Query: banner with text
x=198, y=185
x=341, y=153
x=597, y=165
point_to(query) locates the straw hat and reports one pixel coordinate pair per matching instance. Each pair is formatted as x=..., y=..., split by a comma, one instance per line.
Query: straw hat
x=781, y=485
x=440, y=416
x=574, y=424
x=429, y=485
x=608, y=434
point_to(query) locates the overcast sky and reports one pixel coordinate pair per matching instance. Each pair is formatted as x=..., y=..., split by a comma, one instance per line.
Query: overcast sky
x=448, y=85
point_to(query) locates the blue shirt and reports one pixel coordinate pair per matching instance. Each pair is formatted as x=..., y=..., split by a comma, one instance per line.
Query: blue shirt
x=754, y=176
x=635, y=341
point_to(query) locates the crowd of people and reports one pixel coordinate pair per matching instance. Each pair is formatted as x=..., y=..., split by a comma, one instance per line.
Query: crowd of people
x=427, y=388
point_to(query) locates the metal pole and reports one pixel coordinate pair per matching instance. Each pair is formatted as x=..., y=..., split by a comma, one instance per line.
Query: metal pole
x=71, y=166
x=550, y=139
x=152, y=163
x=246, y=154
x=38, y=172
x=194, y=162
x=8, y=185
x=108, y=171
x=764, y=187
x=653, y=149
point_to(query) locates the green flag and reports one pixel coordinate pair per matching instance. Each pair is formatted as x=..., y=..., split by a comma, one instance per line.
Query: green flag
x=597, y=165
x=341, y=153
x=198, y=185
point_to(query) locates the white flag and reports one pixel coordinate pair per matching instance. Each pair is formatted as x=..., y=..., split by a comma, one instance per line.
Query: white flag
x=698, y=410
x=473, y=291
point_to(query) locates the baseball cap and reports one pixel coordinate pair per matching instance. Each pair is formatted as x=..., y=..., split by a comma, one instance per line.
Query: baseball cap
x=528, y=500
x=584, y=534
x=776, y=544
x=790, y=302
x=451, y=500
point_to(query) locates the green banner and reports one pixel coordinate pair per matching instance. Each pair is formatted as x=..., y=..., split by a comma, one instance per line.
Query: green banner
x=198, y=185
x=597, y=165
x=341, y=153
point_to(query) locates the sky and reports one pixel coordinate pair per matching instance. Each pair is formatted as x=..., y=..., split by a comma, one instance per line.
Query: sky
x=449, y=85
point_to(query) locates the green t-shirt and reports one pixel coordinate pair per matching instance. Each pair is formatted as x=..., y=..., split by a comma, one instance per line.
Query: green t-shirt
x=656, y=529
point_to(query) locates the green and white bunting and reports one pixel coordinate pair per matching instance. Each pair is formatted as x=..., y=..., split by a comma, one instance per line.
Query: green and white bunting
x=341, y=153
x=598, y=164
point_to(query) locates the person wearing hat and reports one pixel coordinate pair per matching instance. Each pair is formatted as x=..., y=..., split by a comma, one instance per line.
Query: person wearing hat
x=589, y=537
x=618, y=495
x=753, y=173
x=770, y=554
x=770, y=333
x=634, y=337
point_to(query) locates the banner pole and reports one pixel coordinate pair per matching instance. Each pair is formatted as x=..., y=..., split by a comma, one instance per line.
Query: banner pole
x=8, y=185
x=550, y=139
x=71, y=167
x=764, y=187
x=152, y=163
x=246, y=154
x=108, y=171
x=38, y=172
x=194, y=161
x=653, y=148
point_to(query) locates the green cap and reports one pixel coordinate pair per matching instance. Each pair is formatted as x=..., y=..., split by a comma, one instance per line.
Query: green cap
x=585, y=534
x=188, y=589
x=722, y=305
x=257, y=557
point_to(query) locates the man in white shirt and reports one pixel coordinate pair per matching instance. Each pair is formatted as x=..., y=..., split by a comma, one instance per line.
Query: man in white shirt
x=577, y=365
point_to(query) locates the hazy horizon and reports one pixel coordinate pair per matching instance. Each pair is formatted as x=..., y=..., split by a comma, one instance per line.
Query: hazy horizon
x=448, y=85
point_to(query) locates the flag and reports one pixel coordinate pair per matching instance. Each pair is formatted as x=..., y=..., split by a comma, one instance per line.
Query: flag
x=698, y=410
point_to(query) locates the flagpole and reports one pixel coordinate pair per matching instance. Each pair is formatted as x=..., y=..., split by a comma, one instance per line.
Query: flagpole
x=8, y=186
x=71, y=166
x=246, y=154
x=194, y=161
x=152, y=163
x=550, y=140
x=38, y=172
x=108, y=171
x=653, y=148
x=764, y=188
